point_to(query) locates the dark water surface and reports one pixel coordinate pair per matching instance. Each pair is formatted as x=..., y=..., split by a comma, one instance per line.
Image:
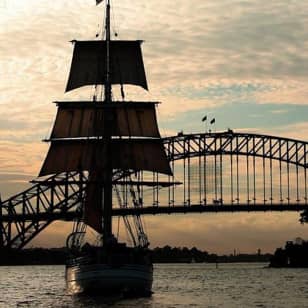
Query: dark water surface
x=175, y=285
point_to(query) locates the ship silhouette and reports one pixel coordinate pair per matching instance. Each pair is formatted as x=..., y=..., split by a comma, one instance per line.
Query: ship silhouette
x=110, y=143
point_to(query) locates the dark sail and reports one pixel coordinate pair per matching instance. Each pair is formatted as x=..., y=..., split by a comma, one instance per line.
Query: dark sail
x=85, y=154
x=77, y=144
x=85, y=119
x=89, y=64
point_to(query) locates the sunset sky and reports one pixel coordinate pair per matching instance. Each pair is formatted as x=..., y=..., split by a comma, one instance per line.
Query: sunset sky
x=242, y=62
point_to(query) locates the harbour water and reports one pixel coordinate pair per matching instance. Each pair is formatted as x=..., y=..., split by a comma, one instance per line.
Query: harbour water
x=175, y=285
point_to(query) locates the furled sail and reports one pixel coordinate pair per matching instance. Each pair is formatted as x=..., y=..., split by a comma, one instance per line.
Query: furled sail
x=89, y=64
x=127, y=154
x=85, y=119
x=92, y=214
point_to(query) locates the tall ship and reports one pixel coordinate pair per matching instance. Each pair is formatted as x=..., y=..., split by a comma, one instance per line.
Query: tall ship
x=110, y=144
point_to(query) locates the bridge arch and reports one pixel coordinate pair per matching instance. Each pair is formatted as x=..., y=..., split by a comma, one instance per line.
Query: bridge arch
x=26, y=214
x=273, y=169
x=230, y=143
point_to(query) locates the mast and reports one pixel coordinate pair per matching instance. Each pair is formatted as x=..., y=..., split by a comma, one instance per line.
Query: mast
x=107, y=81
x=107, y=173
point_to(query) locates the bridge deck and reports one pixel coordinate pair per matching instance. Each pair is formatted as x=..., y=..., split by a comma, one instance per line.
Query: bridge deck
x=156, y=210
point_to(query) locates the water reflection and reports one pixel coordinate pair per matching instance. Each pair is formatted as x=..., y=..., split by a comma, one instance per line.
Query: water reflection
x=175, y=285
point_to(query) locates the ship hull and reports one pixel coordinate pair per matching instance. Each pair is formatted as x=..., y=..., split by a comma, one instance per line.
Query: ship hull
x=104, y=279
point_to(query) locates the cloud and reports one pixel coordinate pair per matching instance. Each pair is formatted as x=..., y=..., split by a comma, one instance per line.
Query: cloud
x=233, y=60
x=297, y=130
x=221, y=233
x=215, y=233
x=197, y=55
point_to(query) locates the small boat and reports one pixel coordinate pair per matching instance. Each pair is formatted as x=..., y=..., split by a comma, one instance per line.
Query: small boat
x=110, y=144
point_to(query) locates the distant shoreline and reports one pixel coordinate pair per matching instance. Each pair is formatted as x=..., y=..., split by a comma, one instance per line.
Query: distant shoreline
x=167, y=255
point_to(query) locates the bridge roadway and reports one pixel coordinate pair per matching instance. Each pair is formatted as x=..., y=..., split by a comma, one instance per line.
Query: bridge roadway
x=156, y=210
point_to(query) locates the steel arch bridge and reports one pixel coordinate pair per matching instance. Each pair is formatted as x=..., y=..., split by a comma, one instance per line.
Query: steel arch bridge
x=213, y=172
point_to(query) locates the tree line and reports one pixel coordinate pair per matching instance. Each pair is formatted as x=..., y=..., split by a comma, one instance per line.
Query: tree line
x=166, y=254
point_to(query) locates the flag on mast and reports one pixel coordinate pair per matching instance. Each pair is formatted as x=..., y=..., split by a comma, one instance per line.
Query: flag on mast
x=99, y=1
